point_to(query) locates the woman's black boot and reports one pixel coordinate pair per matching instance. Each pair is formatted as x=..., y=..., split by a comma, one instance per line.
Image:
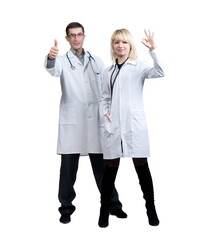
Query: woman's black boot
x=146, y=183
x=106, y=192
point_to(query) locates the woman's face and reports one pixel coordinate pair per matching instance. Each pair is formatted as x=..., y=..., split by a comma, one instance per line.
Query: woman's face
x=121, y=48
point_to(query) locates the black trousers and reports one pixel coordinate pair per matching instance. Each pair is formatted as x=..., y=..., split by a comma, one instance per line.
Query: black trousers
x=68, y=173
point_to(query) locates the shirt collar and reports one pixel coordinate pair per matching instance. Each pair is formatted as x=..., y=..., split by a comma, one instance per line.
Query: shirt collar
x=75, y=53
x=81, y=58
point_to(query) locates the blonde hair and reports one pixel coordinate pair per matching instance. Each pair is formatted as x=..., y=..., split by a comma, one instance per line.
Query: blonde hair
x=123, y=35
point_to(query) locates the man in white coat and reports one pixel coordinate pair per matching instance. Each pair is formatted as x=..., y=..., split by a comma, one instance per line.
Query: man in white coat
x=79, y=125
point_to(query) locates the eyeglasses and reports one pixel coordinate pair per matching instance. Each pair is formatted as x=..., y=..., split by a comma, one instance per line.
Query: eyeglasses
x=73, y=35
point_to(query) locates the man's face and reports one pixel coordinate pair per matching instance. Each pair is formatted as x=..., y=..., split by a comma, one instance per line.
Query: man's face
x=75, y=38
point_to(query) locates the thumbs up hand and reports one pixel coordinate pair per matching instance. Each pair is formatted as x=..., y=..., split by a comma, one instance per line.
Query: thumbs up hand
x=54, y=50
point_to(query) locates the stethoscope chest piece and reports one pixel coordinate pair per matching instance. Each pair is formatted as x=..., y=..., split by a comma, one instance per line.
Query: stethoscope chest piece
x=72, y=67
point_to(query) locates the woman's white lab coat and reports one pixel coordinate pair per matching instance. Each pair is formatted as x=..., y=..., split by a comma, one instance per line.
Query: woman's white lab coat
x=79, y=123
x=127, y=134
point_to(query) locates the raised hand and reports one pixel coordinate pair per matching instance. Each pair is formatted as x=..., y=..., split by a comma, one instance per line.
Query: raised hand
x=149, y=41
x=54, y=50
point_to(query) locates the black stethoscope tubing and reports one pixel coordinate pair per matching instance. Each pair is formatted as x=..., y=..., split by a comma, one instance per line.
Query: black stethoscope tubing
x=112, y=81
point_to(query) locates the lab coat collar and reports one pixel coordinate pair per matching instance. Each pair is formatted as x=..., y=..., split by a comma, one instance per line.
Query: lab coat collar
x=70, y=54
x=131, y=62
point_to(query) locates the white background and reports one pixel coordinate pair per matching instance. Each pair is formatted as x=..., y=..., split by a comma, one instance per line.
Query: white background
x=176, y=109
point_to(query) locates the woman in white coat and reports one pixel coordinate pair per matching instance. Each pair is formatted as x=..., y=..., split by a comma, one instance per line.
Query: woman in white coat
x=125, y=127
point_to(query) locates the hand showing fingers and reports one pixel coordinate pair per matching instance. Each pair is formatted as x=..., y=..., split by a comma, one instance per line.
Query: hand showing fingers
x=54, y=50
x=149, y=41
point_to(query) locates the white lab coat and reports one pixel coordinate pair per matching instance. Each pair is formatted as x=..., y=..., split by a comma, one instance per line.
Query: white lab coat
x=127, y=134
x=79, y=125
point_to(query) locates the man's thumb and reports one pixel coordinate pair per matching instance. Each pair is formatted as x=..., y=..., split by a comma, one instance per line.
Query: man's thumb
x=55, y=43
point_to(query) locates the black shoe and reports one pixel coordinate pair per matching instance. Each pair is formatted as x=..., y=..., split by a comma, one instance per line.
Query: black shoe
x=103, y=219
x=119, y=213
x=65, y=218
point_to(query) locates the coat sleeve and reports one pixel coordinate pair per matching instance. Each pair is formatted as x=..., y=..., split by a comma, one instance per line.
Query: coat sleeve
x=105, y=95
x=54, y=67
x=157, y=70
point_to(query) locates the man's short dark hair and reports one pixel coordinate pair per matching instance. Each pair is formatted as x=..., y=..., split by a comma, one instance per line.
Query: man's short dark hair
x=74, y=25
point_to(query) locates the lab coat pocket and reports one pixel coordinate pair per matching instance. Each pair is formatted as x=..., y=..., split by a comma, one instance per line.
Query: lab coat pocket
x=138, y=120
x=139, y=131
x=67, y=114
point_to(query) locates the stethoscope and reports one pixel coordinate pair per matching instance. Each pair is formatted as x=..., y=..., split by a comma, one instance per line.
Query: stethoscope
x=112, y=77
x=90, y=60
